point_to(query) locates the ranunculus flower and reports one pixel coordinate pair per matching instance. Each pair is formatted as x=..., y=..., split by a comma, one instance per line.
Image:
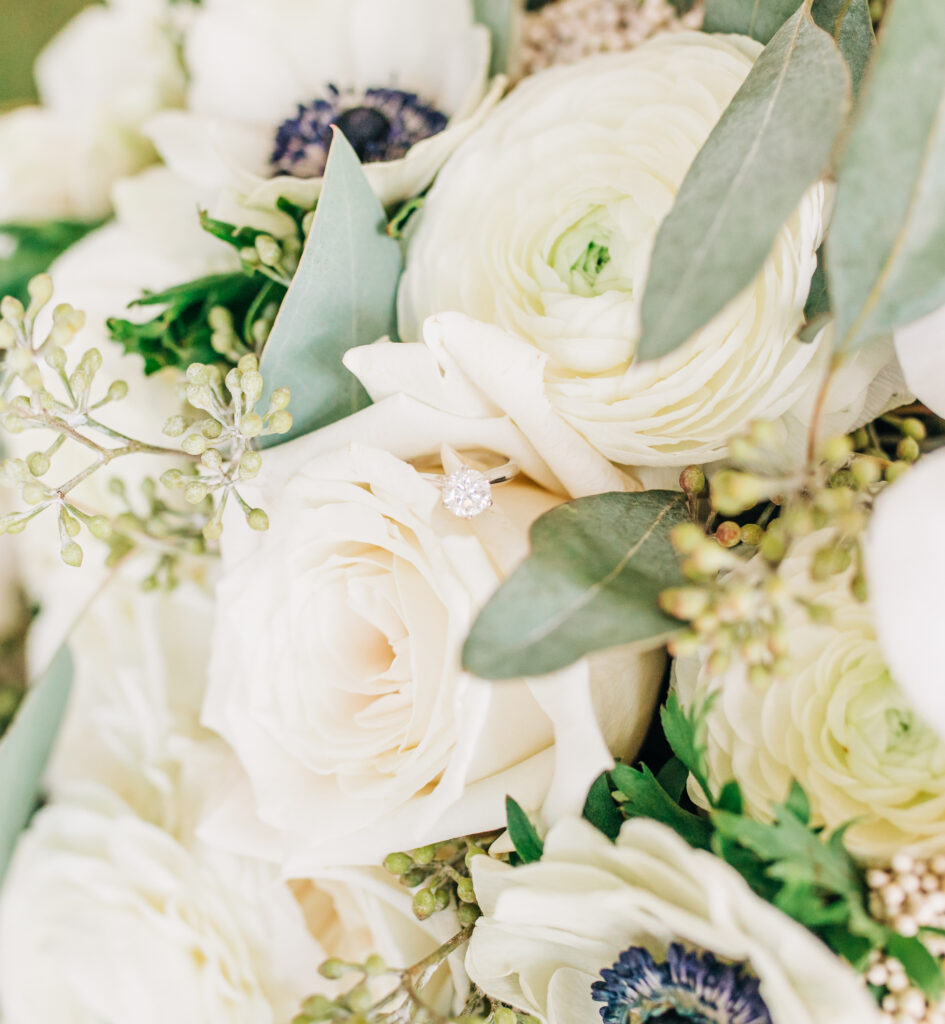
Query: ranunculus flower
x=108, y=70
x=335, y=673
x=838, y=724
x=543, y=224
x=104, y=917
x=681, y=926
x=406, y=83
x=905, y=561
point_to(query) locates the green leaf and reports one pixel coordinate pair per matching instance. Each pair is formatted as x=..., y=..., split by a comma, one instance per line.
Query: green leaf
x=499, y=17
x=525, y=838
x=601, y=810
x=673, y=777
x=730, y=798
x=646, y=798
x=744, y=183
x=851, y=26
x=25, y=749
x=685, y=733
x=922, y=968
x=797, y=803
x=759, y=19
x=596, y=568
x=343, y=295
x=818, y=298
x=886, y=249
x=35, y=248
x=180, y=334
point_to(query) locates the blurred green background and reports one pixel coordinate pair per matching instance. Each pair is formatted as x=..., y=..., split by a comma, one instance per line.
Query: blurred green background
x=24, y=26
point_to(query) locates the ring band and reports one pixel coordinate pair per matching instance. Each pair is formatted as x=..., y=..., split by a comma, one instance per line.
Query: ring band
x=467, y=492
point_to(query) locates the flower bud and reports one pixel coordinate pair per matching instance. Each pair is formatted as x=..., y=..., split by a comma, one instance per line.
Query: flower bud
x=248, y=363
x=398, y=863
x=837, y=449
x=7, y=334
x=194, y=444
x=172, y=478
x=728, y=534
x=752, y=533
x=908, y=449
x=866, y=471
x=279, y=399
x=318, y=1007
x=914, y=428
x=195, y=492
x=219, y=319
x=268, y=250
x=503, y=1015
x=100, y=527
x=686, y=537
x=692, y=480
x=12, y=309
x=72, y=554
x=465, y=890
x=375, y=965
x=733, y=492
x=280, y=422
x=893, y=471
x=33, y=493
x=69, y=523
x=250, y=464
x=38, y=463
x=175, y=426
x=332, y=968
x=252, y=425
x=424, y=904
x=252, y=387
x=117, y=390
x=468, y=913
x=424, y=855
x=198, y=373
x=257, y=519
x=683, y=602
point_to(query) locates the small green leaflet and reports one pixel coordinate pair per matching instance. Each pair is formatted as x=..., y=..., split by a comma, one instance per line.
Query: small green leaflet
x=35, y=248
x=919, y=963
x=499, y=17
x=600, y=809
x=646, y=798
x=886, y=248
x=343, y=295
x=25, y=749
x=525, y=838
x=759, y=19
x=592, y=581
x=685, y=732
x=744, y=183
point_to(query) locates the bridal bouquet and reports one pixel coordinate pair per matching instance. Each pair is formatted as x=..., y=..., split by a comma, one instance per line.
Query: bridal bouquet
x=473, y=522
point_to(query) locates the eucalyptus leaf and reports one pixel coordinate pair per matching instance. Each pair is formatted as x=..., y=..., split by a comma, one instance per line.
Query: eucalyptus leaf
x=759, y=19
x=499, y=17
x=771, y=144
x=851, y=26
x=886, y=249
x=25, y=749
x=343, y=295
x=592, y=581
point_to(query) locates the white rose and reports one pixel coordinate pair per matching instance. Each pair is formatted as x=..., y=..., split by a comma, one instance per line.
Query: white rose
x=838, y=724
x=543, y=224
x=905, y=561
x=108, y=70
x=406, y=82
x=662, y=913
x=105, y=918
x=919, y=347
x=335, y=673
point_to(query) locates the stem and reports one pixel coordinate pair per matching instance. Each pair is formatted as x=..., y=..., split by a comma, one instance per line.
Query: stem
x=821, y=401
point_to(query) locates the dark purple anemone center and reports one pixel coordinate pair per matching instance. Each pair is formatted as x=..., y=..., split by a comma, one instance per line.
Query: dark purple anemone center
x=380, y=124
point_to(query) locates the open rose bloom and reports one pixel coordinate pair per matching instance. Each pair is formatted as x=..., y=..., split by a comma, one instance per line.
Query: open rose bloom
x=471, y=540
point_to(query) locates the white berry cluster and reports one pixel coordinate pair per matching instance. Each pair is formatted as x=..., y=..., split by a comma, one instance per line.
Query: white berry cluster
x=567, y=30
x=909, y=895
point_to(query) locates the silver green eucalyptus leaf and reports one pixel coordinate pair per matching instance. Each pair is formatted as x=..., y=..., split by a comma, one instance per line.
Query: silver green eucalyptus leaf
x=26, y=747
x=771, y=144
x=886, y=248
x=850, y=24
x=759, y=19
x=592, y=581
x=343, y=295
x=499, y=17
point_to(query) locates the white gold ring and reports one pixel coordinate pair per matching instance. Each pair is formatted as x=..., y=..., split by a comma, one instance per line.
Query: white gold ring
x=467, y=492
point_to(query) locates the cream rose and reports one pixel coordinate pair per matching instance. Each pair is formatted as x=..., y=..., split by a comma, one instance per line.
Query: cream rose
x=104, y=917
x=107, y=71
x=543, y=224
x=406, y=82
x=335, y=672
x=653, y=925
x=838, y=724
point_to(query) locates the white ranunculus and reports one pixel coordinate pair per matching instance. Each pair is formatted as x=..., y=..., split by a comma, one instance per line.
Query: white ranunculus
x=335, y=673
x=105, y=918
x=543, y=224
x=838, y=724
x=550, y=928
x=108, y=70
x=254, y=66
x=905, y=561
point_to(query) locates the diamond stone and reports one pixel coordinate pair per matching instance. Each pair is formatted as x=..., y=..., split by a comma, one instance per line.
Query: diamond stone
x=467, y=493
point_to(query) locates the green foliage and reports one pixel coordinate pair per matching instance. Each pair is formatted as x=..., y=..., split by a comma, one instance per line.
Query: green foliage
x=25, y=749
x=343, y=295
x=849, y=22
x=181, y=333
x=35, y=248
x=600, y=809
x=525, y=838
x=744, y=183
x=800, y=869
x=592, y=580
x=886, y=248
